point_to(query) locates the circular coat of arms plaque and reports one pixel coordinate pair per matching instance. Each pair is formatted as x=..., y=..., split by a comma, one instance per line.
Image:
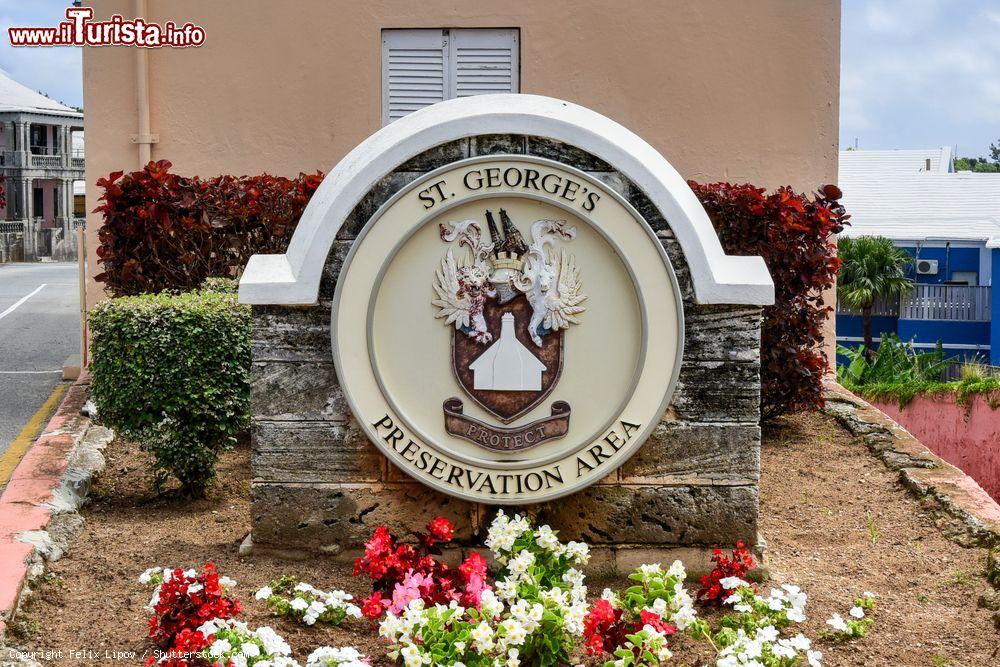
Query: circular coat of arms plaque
x=507, y=329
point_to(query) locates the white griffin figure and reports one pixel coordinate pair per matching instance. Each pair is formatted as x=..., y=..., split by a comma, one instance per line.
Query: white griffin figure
x=551, y=280
x=463, y=287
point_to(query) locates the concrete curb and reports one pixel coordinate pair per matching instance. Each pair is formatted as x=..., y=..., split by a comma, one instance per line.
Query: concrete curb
x=38, y=508
x=961, y=509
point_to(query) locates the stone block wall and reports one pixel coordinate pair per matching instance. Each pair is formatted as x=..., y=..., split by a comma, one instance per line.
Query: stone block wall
x=318, y=485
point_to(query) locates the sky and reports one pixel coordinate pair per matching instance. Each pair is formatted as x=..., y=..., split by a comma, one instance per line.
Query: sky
x=914, y=73
x=920, y=74
x=55, y=71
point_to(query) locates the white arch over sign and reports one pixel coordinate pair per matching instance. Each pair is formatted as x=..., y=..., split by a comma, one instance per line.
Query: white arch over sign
x=293, y=278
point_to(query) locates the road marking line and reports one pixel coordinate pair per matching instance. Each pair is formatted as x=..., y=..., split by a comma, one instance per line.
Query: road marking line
x=27, y=372
x=22, y=300
x=20, y=445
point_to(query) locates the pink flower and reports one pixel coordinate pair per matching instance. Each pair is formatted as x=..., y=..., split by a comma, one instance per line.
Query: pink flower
x=408, y=590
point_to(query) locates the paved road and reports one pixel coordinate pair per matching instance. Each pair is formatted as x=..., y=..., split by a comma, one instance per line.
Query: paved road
x=39, y=328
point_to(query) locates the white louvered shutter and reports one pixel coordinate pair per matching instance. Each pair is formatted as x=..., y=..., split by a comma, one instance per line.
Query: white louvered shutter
x=424, y=66
x=483, y=61
x=414, y=71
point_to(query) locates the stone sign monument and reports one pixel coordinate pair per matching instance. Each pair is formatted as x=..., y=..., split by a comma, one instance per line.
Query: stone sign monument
x=505, y=300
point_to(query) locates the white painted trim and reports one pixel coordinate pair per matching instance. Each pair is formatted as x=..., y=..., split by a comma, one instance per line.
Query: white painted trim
x=293, y=278
x=946, y=346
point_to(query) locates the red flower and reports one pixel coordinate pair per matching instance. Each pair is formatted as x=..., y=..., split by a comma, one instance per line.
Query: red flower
x=388, y=562
x=374, y=606
x=178, y=611
x=655, y=621
x=736, y=565
x=441, y=529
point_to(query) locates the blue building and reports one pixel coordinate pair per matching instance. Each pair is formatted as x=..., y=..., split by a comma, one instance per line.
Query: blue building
x=950, y=223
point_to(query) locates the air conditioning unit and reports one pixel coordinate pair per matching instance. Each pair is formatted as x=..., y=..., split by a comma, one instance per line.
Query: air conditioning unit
x=927, y=267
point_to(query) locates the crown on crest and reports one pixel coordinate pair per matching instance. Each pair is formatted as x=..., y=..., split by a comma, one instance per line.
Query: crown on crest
x=509, y=247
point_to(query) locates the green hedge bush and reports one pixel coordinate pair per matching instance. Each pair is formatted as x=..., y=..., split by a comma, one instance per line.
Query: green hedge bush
x=172, y=372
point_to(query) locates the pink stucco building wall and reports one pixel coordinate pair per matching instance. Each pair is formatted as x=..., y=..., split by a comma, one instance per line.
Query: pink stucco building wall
x=966, y=437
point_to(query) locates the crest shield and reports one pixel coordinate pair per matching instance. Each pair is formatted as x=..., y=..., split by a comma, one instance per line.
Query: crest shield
x=503, y=403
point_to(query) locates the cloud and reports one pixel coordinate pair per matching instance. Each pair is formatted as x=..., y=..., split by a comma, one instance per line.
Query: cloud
x=920, y=74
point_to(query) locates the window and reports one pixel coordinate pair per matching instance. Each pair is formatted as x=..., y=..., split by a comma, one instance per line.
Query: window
x=421, y=67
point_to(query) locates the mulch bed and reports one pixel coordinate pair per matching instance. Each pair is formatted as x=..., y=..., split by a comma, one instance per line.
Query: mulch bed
x=836, y=522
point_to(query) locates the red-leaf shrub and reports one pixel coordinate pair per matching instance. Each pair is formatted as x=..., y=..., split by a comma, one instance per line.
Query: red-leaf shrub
x=737, y=564
x=165, y=231
x=793, y=233
x=183, y=602
x=402, y=572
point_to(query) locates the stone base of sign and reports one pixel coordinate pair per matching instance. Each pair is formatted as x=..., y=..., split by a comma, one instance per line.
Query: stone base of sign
x=319, y=486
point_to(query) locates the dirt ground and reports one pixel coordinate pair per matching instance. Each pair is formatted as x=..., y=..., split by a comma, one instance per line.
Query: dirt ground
x=835, y=520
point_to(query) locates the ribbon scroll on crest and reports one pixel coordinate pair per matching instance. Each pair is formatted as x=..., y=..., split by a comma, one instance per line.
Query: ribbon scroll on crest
x=509, y=439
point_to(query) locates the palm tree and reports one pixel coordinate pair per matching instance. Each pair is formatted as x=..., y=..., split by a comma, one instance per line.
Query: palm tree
x=872, y=268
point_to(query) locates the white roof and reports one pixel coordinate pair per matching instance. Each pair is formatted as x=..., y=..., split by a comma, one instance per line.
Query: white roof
x=861, y=163
x=918, y=206
x=18, y=97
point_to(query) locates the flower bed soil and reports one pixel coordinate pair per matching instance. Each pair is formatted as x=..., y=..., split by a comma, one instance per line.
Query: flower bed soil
x=835, y=519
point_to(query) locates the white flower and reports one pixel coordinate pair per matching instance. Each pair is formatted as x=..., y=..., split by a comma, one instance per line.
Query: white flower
x=482, y=635
x=857, y=612
x=273, y=642
x=194, y=588
x=411, y=656
x=650, y=569
x=732, y=583
x=800, y=642
x=238, y=660
x=815, y=658
x=211, y=627
x=837, y=623
x=796, y=615
x=264, y=593
x=579, y=552
x=514, y=632
x=783, y=650
x=227, y=582
x=220, y=647
x=490, y=604
x=147, y=576
x=868, y=594
x=250, y=650
x=767, y=634
x=677, y=570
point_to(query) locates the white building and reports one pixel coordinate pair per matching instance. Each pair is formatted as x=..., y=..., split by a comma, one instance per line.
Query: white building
x=41, y=156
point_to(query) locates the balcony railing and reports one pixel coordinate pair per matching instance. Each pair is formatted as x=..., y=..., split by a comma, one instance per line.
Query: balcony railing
x=960, y=303
x=46, y=161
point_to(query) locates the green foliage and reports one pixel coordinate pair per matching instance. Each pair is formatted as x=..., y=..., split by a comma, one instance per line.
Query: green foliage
x=979, y=165
x=872, y=267
x=172, y=371
x=893, y=362
x=220, y=286
x=898, y=373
